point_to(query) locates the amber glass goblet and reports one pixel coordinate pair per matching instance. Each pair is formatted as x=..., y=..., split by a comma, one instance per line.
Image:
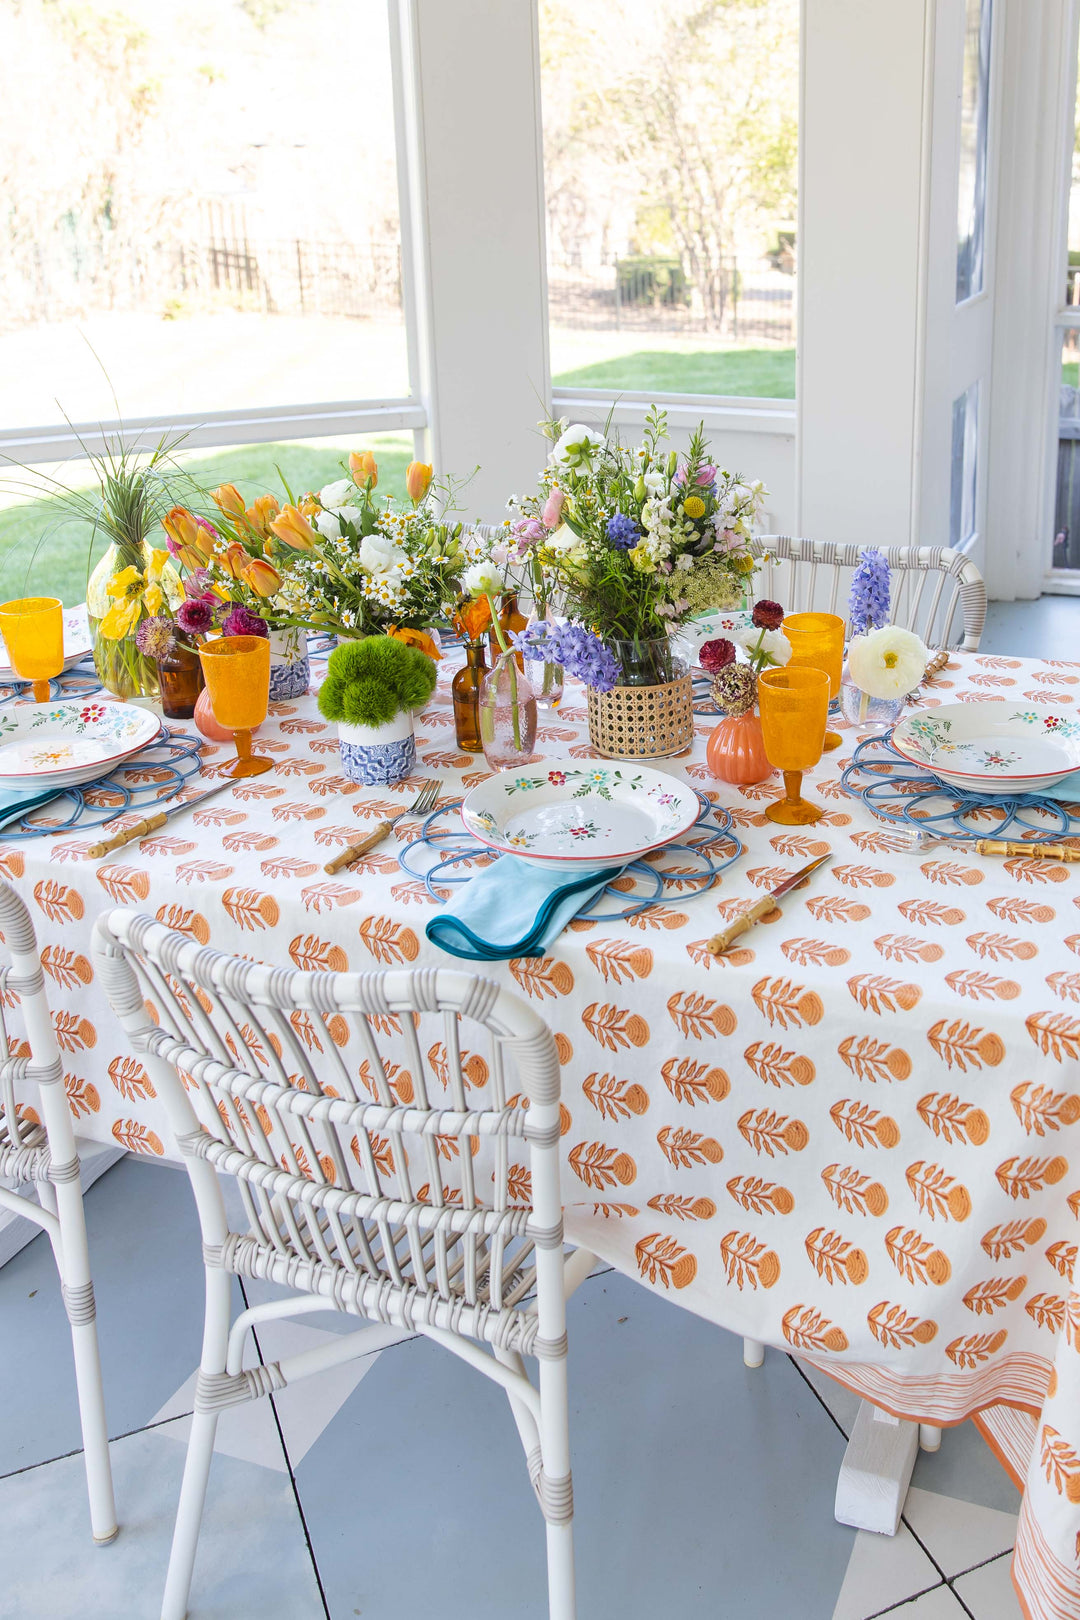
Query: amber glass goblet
x=33, y=631
x=817, y=642
x=237, y=671
x=793, y=704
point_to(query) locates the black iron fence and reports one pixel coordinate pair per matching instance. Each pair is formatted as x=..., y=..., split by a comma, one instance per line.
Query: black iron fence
x=652, y=293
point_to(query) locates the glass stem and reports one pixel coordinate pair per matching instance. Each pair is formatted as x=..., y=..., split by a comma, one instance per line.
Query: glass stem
x=242, y=739
x=42, y=691
x=793, y=786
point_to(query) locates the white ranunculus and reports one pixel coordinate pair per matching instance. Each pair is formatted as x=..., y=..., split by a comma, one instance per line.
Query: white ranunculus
x=379, y=555
x=575, y=446
x=484, y=578
x=562, y=539
x=349, y=514
x=328, y=525
x=336, y=493
x=887, y=663
x=772, y=642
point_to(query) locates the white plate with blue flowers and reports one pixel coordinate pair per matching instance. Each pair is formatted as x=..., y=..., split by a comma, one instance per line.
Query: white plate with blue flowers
x=62, y=744
x=994, y=746
x=567, y=815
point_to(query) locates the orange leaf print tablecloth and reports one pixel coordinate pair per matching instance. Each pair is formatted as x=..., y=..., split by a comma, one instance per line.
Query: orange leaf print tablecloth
x=856, y=1137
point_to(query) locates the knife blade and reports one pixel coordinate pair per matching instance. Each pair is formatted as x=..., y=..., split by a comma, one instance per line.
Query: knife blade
x=150, y=824
x=727, y=936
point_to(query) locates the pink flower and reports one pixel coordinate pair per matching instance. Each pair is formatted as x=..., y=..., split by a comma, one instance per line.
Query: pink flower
x=529, y=529
x=552, y=513
x=716, y=655
x=196, y=616
x=242, y=622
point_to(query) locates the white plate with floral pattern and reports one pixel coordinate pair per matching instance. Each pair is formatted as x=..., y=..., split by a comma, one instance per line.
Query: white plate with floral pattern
x=566, y=815
x=63, y=744
x=994, y=746
x=77, y=643
x=692, y=634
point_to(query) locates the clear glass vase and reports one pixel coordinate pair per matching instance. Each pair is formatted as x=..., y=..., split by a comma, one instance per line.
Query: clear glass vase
x=507, y=715
x=545, y=677
x=869, y=715
x=122, y=669
x=646, y=661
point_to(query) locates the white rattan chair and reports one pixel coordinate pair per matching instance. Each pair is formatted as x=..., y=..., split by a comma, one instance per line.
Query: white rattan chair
x=329, y=1156
x=37, y=1148
x=930, y=585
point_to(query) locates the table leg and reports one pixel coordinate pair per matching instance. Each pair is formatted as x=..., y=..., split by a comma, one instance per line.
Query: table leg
x=874, y=1474
x=929, y=1437
x=753, y=1353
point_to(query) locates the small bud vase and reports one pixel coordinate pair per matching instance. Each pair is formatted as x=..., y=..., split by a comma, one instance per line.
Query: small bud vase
x=735, y=751
x=545, y=677
x=290, y=669
x=507, y=716
x=868, y=714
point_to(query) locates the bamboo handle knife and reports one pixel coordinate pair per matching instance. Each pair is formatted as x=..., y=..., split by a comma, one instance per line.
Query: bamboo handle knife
x=126, y=835
x=353, y=852
x=742, y=924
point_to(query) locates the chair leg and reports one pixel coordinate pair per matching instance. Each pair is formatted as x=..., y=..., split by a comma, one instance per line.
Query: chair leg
x=556, y=1496
x=200, y=1452
x=560, y=1567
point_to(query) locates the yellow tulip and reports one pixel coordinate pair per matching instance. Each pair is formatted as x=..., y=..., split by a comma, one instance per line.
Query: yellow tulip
x=415, y=638
x=153, y=598
x=121, y=584
x=262, y=577
x=228, y=499
x=260, y=513
x=418, y=475
x=365, y=471
x=294, y=529
x=234, y=559
x=120, y=619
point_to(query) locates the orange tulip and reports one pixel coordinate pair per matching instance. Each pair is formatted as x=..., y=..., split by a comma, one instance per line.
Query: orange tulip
x=418, y=475
x=228, y=499
x=262, y=577
x=261, y=512
x=364, y=469
x=187, y=537
x=415, y=638
x=234, y=560
x=309, y=505
x=473, y=618
x=291, y=527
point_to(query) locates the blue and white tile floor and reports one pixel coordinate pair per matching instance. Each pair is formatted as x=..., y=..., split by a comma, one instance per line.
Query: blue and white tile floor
x=394, y=1489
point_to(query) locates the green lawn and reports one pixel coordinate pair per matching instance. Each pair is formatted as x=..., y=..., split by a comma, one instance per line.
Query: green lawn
x=1070, y=373
x=764, y=373
x=40, y=554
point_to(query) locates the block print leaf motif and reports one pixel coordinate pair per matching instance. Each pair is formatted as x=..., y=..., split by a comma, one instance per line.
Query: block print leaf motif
x=1031, y=869
x=908, y=948
x=163, y=844
x=519, y=1185
x=12, y=862
x=57, y=901
x=251, y=838
x=614, y=1027
x=863, y=1125
x=953, y=1120
x=984, y=1298
x=863, y=877
x=894, y=1328
x=981, y=986
x=389, y=941
x=663, y=1261
x=853, y=1192
x=1012, y=1238
x=698, y=951
x=875, y=993
x=617, y=960
x=761, y=1197
x=950, y=872
x=874, y=1060
x=329, y=836
x=1046, y=1311
x=814, y=953
x=1062, y=1256
x=974, y=1348
x=1016, y=908
x=836, y=908
x=798, y=845
x=82, y=1095
x=804, y=1328
x=748, y=1263
x=785, y=1003
x=130, y=1078
x=916, y=1258
x=250, y=909
x=924, y=912
x=615, y=1099
x=203, y=872
x=68, y=968
x=382, y=1152
x=836, y=1259
x=137, y=1138
x=415, y=890
x=777, y=1067
x=962, y=1045
x=1060, y=1463
x=474, y=1070
x=124, y=884
x=691, y=1082
x=683, y=1147
x=304, y=1025
x=1066, y=986
x=542, y=976
x=185, y=921
x=1002, y=947
x=1072, y=1321
x=320, y=897
x=1055, y=1034
x=73, y=1033
x=656, y=916
x=699, y=1017
x=314, y=955
x=682, y=1207
x=771, y=1133
x=286, y=866
x=936, y=1192
x=1022, y=1177
x=1040, y=1109
x=879, y=841
x=599, y=1166
x=298, y=812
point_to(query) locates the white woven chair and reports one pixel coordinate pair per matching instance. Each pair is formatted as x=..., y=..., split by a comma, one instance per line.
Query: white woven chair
x=930, y=585
x=37, y=1148
x=329, y=1158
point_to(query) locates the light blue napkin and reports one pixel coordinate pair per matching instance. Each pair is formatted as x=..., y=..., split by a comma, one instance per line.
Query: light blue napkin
x=513, y=908
x=16, y=802
x=1068, y=791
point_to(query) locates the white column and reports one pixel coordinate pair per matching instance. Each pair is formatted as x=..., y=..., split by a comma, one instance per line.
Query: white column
x=474, y=238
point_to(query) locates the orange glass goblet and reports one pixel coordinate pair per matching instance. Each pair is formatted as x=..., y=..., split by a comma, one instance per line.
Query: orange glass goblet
x=794, y=704
x=33, y=631
x=237, y=671
x=817, y=642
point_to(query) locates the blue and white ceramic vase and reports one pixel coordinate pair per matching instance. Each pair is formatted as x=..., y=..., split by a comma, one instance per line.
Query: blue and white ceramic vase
x=290, y=669
x=378, y=755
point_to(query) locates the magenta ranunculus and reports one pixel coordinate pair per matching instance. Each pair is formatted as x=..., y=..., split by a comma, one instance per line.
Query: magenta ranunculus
x=242, y=622
x=196, y=616
x=716, y=655
x=552, y=513
x=768, y=615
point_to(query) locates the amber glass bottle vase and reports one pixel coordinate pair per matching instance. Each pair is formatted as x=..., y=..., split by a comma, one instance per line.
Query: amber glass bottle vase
x=466, y=692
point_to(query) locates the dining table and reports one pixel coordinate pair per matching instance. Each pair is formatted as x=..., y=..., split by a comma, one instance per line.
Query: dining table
x=854, y=1136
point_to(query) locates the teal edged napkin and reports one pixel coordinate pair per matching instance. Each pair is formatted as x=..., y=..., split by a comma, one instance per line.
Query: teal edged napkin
x=513, y=908
x=17, y=802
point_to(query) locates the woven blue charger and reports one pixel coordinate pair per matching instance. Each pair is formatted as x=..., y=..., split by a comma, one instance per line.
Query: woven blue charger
x=899, y=793
x=710, y=847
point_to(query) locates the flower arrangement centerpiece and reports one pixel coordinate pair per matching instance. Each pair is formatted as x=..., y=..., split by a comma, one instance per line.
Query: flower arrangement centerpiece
x=372, y=689
x=884, y=662
x=645, y=539
x=736, y=748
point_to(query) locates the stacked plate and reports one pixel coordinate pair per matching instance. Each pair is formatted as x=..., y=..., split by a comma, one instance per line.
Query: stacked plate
x=77, y=643
x=568, y=816
x=692, y=635
x=993, y=747
x=59, y=745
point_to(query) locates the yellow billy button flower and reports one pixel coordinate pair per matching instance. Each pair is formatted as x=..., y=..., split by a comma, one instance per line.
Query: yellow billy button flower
x=228, y=499
x=694, y=506
x=291, y=527
x=418, y=475
x=364, y=469
x=262, y=577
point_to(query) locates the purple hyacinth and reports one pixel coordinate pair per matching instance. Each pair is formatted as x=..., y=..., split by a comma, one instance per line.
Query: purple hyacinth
x=623, y=532
x=242, y=622
x=868, y=602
